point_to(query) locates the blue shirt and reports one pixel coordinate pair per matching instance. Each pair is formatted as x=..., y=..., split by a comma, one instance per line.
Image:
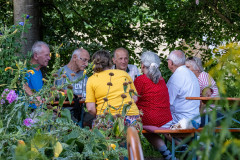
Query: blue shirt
x=34, y=82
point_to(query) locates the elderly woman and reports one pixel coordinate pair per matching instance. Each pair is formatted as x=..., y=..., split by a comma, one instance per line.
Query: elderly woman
x=204, y=79
x=105, y=87
x=153, y=100
x=208, y=87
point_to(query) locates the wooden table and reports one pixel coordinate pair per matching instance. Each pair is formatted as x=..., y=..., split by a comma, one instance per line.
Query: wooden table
x=206, y=99
x=81, y=101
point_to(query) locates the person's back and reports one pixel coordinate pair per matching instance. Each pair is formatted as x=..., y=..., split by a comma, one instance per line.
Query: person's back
x=183, y=83
x=98, y=89
x=153, y=101
x=153, y=94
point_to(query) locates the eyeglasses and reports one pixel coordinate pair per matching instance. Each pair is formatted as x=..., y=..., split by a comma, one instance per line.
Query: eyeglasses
x=84, y=60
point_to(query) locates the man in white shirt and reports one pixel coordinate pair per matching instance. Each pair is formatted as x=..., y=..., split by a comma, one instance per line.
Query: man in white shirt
x=121, y=59
x=183, y=83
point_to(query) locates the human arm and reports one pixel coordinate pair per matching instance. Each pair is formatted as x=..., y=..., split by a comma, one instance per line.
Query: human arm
x=173, y=91
x=91, y=107
x=29, y=92
x=138, y=83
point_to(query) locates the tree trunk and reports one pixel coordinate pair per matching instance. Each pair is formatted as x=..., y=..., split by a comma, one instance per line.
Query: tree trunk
x=29, y=7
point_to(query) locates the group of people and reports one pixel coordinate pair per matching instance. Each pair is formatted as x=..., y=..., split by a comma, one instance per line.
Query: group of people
x=162, y=104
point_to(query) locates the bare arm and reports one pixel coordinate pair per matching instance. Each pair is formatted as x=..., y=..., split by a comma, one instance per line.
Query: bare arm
x=91, y=107
x=30, y=93
x=27, y=89
x=135, y=98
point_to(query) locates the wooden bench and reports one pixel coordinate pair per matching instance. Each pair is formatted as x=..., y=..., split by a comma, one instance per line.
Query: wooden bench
x=184, y=133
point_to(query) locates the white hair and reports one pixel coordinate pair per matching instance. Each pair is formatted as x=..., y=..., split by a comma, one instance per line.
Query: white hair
x=37, y=47
x=196, y=63
x=177, y=57
x=77, y=52
x=152, y=62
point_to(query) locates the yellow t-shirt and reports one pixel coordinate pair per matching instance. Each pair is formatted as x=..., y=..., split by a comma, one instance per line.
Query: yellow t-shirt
x=97, y=89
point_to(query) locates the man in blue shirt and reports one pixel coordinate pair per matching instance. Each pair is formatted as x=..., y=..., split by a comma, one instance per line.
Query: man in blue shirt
x=40, y=57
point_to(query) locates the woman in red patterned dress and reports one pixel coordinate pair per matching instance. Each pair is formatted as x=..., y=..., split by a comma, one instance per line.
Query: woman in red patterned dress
x=153, y=100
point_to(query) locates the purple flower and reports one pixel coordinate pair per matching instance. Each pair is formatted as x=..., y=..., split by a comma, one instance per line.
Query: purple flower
x=21, y=23
x=2, y=101
x=6, y=90
x=1, y=34
x=27, y=17
x=197, y=2
x=28, y=122
x=12, y=96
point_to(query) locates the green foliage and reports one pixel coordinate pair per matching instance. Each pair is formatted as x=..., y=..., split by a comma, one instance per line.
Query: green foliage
x=10, y=47
x=223, y=144
x=42, y=133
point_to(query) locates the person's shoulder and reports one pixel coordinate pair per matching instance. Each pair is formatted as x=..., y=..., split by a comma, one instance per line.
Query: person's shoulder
x=62, y=69
x=132, y=66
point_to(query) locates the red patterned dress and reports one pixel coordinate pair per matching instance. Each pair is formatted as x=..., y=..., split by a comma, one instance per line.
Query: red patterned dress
x=154, y=101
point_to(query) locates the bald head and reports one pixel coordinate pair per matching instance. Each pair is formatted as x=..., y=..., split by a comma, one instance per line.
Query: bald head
x=121, y=58
x=80, y=51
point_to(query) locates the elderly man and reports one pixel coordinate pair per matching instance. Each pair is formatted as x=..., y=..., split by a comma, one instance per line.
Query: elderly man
x=183, y=83
x=40, y=57
x=121, y=59
x=74, y=69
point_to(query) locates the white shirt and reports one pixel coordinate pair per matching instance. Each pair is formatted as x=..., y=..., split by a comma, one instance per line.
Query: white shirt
x=183, y=83
x=132, y=70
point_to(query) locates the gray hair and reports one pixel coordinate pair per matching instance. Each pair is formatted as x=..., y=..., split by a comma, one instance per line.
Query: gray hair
x=177, y=57
x=196, y=63
x=152, y=62
x=37, y=47
x=121, y=48
x=77, y=52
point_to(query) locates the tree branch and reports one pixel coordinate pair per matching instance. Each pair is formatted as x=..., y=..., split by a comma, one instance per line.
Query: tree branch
x=227, y=20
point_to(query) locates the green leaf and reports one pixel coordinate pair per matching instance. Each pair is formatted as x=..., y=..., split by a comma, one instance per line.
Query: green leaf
x=130, y=93
x=66, y=113
x=125, y=88
x=125, y=109
x=61, y=99
x=70, y=95
x=98, y=133
x=136, y=94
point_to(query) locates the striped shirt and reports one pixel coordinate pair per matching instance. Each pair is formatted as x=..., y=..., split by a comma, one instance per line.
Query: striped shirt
x=205, y=80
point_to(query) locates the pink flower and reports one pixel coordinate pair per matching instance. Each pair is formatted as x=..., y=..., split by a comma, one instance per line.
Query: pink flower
x=12, y=96
x=28, y=122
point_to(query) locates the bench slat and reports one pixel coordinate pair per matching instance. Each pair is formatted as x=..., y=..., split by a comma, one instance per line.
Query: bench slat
x=180, y=131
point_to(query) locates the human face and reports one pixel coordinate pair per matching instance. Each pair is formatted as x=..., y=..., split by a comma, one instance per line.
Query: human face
x=121, y=60
x=43, y=57
x=82, y=62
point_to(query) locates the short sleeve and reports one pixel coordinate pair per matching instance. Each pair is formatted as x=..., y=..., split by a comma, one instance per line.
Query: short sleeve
x=90, y=93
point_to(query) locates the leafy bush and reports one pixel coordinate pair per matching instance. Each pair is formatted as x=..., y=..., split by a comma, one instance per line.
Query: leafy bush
x=43, y=134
